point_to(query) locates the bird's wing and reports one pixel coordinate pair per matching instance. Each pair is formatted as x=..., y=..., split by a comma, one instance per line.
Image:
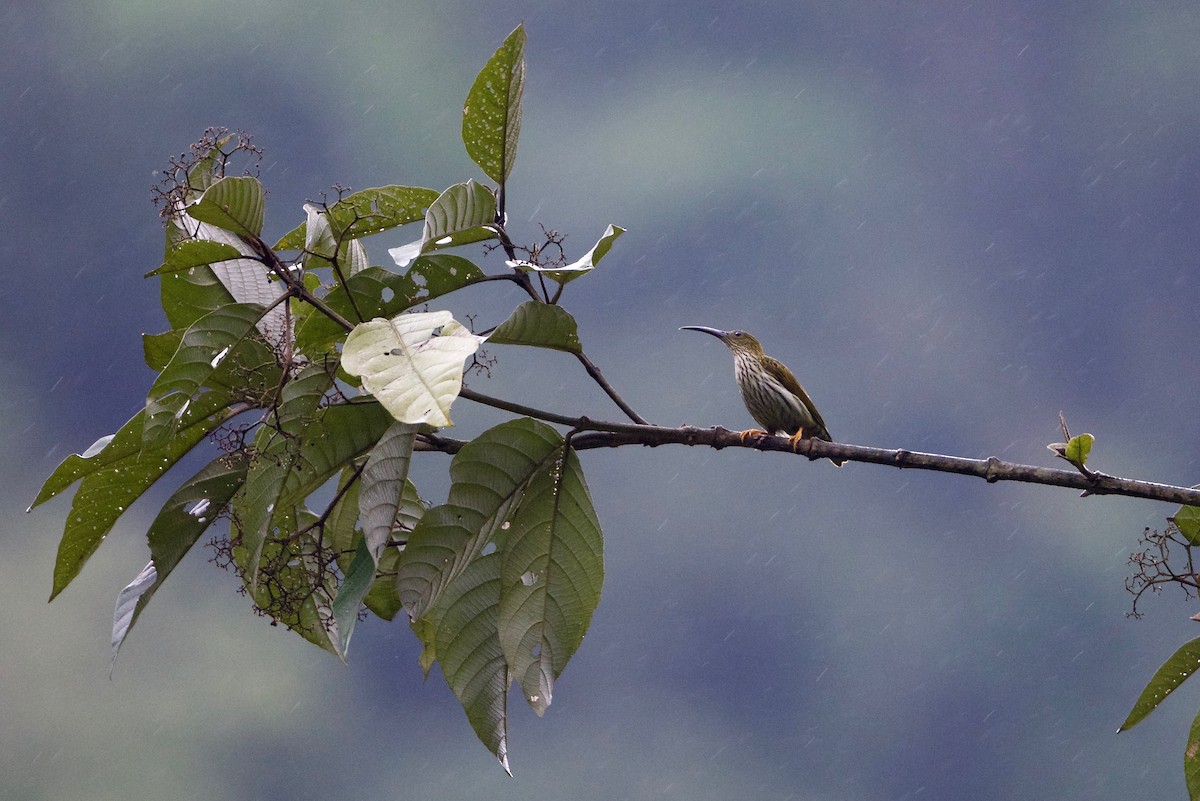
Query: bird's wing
x=784, y=376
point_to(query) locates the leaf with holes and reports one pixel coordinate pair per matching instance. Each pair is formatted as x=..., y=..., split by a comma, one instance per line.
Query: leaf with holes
x=463, y=214
x=186, y=515
x=412, y=363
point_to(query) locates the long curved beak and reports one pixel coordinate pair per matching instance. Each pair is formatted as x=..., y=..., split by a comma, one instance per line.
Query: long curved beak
x=716, y=332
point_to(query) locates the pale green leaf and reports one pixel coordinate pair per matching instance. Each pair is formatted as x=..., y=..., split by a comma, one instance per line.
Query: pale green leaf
x=245, y=280
x=413, y=363
x=1182, y=664
x=383, y=480
x=318, y=236
x=1187, y=520
x=541, y=325
x=492, y=114
x=553, y=569
x=1078, y=448
x=234, y=203
x=129, y=600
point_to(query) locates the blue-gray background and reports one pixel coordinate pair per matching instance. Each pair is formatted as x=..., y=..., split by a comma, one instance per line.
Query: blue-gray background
x=952, y=220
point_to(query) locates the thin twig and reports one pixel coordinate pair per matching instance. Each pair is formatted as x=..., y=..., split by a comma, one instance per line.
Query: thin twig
x=599, y=378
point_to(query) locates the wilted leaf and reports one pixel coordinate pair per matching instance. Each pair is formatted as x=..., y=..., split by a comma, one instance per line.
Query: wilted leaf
x=581, y=266
x=413, y=363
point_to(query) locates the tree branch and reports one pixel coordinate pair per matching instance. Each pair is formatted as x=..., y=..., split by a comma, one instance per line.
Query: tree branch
x=600, y=434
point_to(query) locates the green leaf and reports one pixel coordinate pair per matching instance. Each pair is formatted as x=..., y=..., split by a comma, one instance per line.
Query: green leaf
x=383, y=480
x=413, y=363
x=291, y=469
x=384, y=599
x=1191, y=761
x=376, y=292
x=1182, y=664
x=204, y=351
x=189, y=295
x=463, y=214
x=468, y=650
x=183, y=518
x=234, y=203
x=540, y=325
x=369, y=211
x=492, y=114
x=553, y=569
x=1187, y=520
x=581, y=266
x=195, y=253
x=1078, y=448
x=488, y=477
x=357, y=582
x=113, y=477
x=159, y=348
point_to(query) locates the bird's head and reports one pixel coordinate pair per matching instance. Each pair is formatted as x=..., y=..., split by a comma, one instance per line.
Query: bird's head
x=741, y=343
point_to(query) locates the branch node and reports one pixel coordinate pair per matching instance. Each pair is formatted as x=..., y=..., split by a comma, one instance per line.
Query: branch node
x=992, y=474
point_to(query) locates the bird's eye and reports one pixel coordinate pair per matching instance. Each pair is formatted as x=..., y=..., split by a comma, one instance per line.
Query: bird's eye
x=739, y=333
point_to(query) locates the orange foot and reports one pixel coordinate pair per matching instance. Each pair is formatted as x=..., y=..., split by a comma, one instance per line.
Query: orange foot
x=750, y=433
x=794, y=441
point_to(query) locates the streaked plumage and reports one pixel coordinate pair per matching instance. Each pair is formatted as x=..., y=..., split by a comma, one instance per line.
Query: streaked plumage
x=771, y=393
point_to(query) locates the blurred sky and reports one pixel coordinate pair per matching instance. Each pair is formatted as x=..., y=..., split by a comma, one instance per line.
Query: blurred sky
x=951, y=220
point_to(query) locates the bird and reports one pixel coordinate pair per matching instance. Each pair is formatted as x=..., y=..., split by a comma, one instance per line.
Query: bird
x=771, y=393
